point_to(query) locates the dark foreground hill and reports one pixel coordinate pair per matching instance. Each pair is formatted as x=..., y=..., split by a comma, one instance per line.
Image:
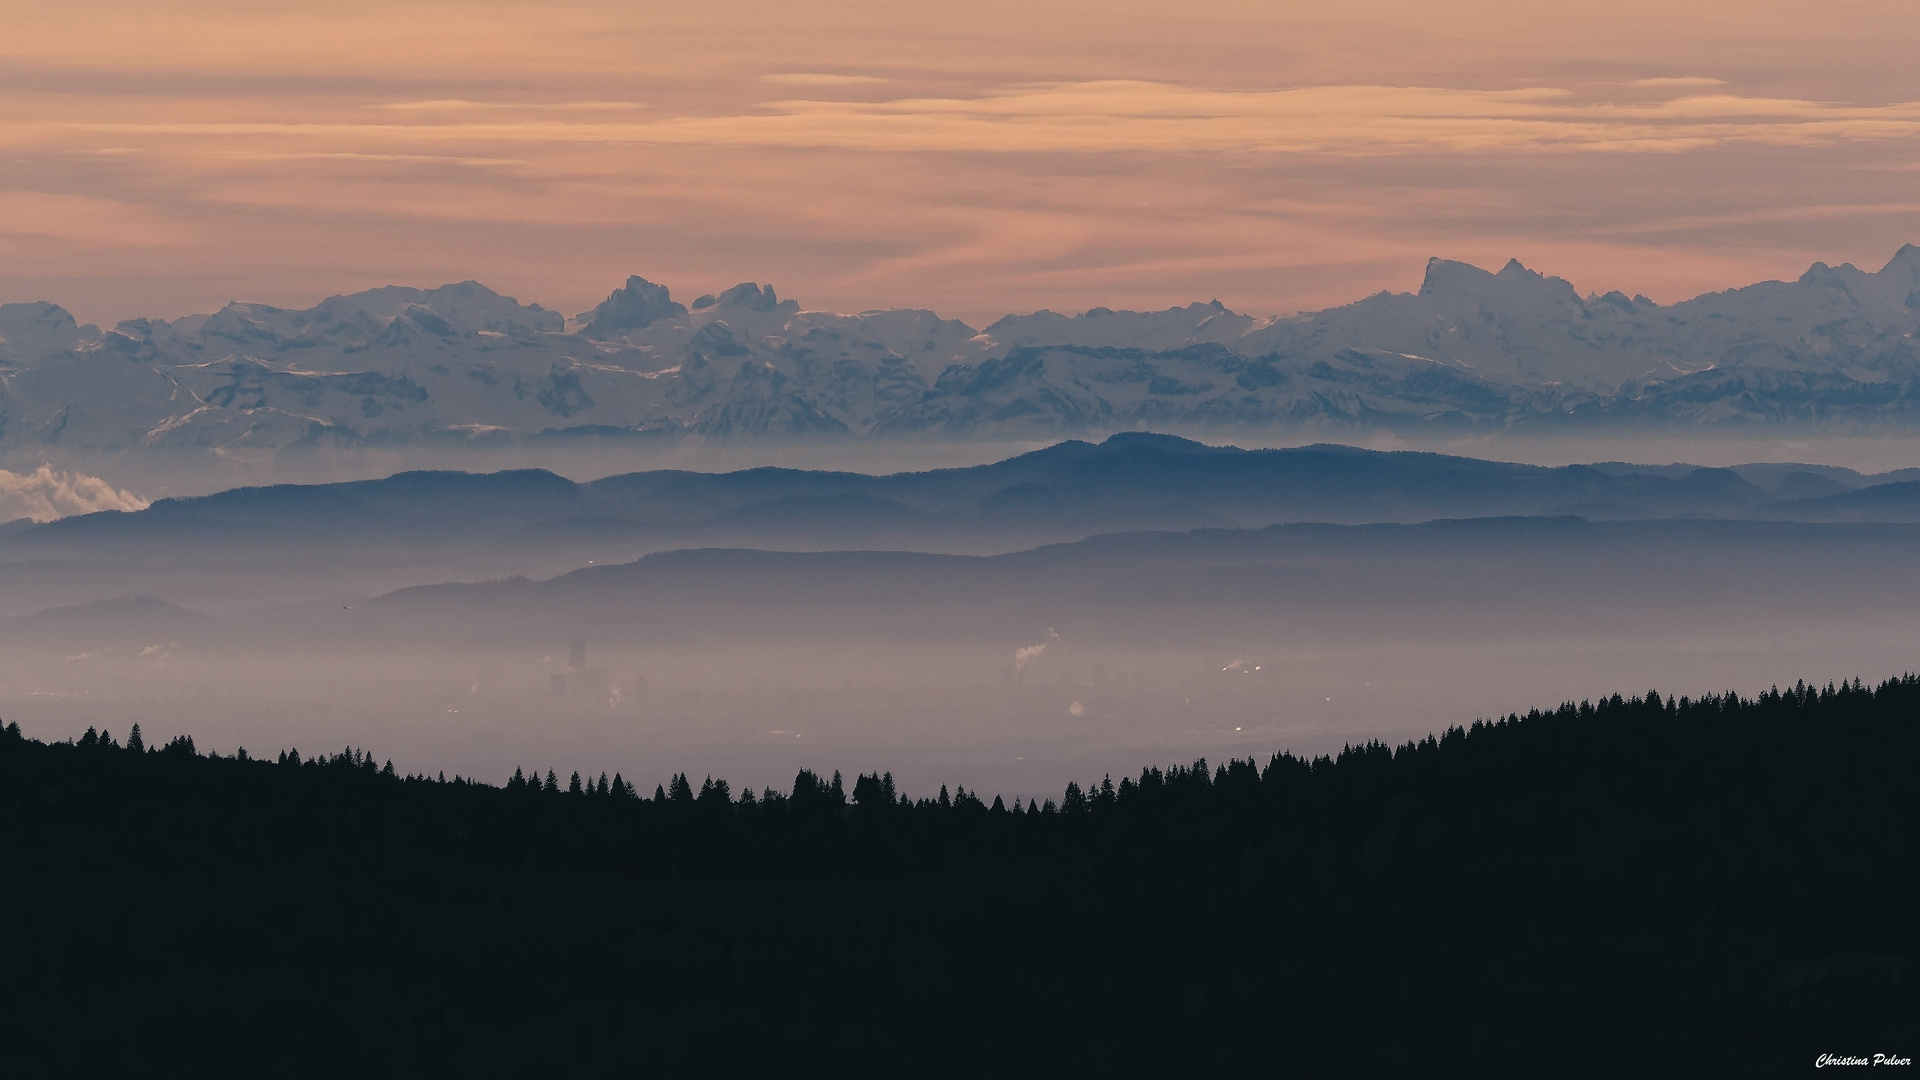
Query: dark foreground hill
x=1638, y=887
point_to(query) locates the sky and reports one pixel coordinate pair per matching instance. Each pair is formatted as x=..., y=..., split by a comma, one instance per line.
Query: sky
x=980, y=158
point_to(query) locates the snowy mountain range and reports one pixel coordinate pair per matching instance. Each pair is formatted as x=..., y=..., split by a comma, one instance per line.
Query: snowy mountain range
x=1472, y=351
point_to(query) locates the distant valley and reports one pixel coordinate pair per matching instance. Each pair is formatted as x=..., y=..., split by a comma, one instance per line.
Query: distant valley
x=1081, y=605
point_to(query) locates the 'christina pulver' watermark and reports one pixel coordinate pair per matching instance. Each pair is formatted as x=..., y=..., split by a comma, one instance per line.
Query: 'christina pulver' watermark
x=1825, y=1060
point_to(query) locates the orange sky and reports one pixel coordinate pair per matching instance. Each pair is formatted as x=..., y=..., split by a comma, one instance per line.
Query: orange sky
x=162, y=158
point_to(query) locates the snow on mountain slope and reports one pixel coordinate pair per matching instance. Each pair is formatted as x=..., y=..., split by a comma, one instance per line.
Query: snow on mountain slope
x=1471, y=350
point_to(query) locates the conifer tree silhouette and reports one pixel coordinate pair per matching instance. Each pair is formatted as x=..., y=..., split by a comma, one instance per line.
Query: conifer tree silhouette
x=1629, y=875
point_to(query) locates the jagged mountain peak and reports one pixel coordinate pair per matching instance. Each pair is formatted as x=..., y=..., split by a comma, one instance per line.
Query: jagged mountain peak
x=1170, y=328
x=467, y=307
x=1474, y=350
x=37, y=328
x=1449, y=280
x=1822, y=274
x=1894, y=286
x=460, y=309
x=1903, y=272
x=1908, y=257
x=1447, y=275
x=753, y=297
x=634, y=306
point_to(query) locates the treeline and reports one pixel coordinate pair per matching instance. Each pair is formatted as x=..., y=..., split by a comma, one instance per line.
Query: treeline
x=1639, y=885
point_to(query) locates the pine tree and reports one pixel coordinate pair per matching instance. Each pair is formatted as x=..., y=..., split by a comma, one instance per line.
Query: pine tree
x=715, y=793
x=138, y=745
x=868, y=794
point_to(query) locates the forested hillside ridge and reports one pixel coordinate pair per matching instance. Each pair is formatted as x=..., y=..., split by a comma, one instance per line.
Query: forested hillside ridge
x=1219, y=587
x=1471, y=351
x=1299, y=583
x=1136, y=480
x=1635, y=885
x=363, y=538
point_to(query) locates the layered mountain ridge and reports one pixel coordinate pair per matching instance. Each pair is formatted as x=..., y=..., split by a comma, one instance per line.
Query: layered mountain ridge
x=1471, y=351
x=440, y=525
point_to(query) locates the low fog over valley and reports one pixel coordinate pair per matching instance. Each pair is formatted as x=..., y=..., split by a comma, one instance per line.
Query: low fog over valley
x=1065, y=613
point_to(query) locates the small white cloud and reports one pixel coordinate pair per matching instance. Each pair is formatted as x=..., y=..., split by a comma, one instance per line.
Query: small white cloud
x=1076, y=709
x=1027, y=654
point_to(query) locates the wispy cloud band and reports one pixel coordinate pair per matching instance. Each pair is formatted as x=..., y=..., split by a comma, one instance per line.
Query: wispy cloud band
x=1152, y=116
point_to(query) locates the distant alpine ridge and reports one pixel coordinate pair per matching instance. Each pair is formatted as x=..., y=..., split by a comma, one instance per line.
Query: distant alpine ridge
x=1470, y=352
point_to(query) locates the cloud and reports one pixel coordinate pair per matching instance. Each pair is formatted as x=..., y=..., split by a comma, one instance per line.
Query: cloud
x=435, y=103
x=1135, y=115
x=447, y=104
x=1678, y=80
x=820, y=78
x=351, y=155
x=45, y=494
x=1126, y=115
x=1025, y=655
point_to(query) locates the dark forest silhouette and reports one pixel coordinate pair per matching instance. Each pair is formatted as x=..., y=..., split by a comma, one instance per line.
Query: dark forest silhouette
x=1641, y=886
